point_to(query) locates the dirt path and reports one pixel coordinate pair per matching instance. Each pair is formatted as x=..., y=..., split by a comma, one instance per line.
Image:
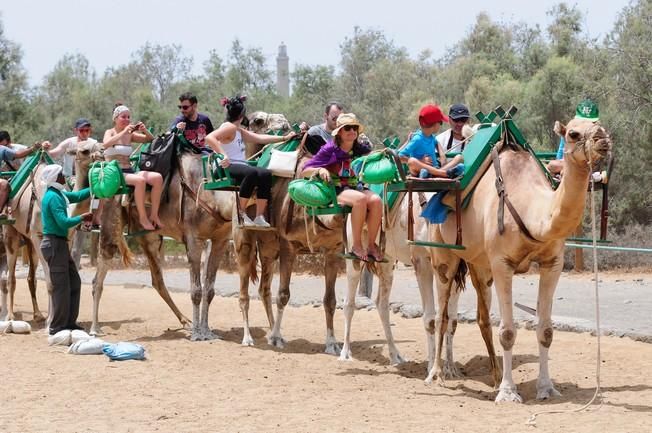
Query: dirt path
x=222, y=386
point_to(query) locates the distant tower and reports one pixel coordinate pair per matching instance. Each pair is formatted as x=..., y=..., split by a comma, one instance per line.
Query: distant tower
x=283, y=71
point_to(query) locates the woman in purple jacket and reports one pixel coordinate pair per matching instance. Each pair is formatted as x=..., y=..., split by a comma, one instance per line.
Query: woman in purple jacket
x=335, y=157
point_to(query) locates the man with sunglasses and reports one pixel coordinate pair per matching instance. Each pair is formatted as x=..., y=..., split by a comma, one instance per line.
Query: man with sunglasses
x=452, y=140
x=318, y=135
x=68, y=147
x=194, y=125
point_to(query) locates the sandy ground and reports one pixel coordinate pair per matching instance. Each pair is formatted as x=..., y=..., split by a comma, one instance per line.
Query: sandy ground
x=222, y=386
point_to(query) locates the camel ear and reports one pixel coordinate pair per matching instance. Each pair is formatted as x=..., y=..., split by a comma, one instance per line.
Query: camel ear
x=560, y=128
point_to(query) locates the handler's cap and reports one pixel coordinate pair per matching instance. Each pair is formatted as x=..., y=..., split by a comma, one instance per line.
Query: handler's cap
x=431, y=114
x=588, y=110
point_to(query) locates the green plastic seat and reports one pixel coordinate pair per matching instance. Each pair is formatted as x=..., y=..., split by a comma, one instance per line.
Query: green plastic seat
x=217, y=179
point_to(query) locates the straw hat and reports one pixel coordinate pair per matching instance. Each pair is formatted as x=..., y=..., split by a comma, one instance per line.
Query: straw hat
x=345, y=119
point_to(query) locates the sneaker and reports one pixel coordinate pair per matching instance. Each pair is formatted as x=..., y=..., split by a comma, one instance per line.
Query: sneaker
x=260, y=222
x=246, y=221
x=424, y=174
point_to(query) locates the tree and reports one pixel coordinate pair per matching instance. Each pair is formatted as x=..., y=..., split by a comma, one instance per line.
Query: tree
x=565, y=28
x=161, y=66
x=246, y=72
x=13, y=86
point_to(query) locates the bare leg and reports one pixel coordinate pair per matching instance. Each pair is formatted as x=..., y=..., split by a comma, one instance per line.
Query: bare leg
x=138, y=183
x=156, y=181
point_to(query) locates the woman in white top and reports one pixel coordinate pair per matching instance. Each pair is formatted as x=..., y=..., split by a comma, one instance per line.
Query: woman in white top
x=229, y=140
x=117, y=145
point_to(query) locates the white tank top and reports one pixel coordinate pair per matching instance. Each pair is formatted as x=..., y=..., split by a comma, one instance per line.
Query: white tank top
x=119, y=149
x=235, y=150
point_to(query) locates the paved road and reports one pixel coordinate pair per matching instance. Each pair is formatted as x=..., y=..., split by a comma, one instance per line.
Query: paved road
x=625, y=299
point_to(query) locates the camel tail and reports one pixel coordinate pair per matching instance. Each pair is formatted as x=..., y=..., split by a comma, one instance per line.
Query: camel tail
x=125, y=252
x=460, y=276
x=253, y=270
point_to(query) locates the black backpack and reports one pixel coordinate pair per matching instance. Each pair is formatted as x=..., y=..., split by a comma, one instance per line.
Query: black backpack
x=159, y=155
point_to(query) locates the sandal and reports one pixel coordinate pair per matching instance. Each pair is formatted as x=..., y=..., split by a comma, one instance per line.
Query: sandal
x=352, y=255
x=377, y=258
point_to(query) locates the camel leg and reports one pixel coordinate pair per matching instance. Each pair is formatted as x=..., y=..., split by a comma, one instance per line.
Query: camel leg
x=386, y=278
x=31, y=279
x=445, y=265
x=12, y=246
x=98, y=287
x=245, y=247
x=482, y=282
x=331, y=264
x=77, y=244
x=423, y=272
x=194, y=249
x=547, y=285
x=94, y=248
x=450, y=369
x=217, y=248
x=268, y=257
x=150, y=245
x=353, y=277
x=503, y=275
x=286, y=263
x=3, y=285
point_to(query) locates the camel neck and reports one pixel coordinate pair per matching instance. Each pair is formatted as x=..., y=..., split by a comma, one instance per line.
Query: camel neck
x=568, y=201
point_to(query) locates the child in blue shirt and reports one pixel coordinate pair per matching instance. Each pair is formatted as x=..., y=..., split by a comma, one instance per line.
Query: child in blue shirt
x=423, y=154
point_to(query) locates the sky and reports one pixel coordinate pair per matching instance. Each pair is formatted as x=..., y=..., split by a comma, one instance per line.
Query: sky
x=108, y=32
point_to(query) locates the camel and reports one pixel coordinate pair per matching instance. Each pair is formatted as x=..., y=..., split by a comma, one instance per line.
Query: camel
x=190, y=215
x=289, y=239
x=397, y=249
x=549, y=216
x=27, y=229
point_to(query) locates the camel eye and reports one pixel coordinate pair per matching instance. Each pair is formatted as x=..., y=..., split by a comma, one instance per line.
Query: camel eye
x=574, y=135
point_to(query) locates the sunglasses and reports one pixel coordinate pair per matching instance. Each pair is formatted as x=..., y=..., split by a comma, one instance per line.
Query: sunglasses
x=350, y=127
x=84, y=129
x=462, y=120
x=183, y=107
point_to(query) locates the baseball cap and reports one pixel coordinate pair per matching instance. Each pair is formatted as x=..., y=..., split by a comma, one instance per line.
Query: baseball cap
x=588, y=110
x=458, y=111
x=82, y=121
x=431, y=114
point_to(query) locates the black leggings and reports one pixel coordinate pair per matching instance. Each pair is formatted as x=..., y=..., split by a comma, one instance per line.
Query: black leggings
x=250, y=177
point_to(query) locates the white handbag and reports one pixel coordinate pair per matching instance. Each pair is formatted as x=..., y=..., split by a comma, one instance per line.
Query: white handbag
x=283, y=163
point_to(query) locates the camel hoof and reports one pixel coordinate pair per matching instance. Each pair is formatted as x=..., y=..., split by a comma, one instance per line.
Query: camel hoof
x=333, y=348
x=276, y=341
x=451, y=371
x=546, y=391
x=397, y=359
x=96, y=332
x=247, y=340
x=508, y=395
x=345, y=355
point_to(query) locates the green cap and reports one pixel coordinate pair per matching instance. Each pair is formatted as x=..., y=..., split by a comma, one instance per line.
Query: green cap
x=588, y=110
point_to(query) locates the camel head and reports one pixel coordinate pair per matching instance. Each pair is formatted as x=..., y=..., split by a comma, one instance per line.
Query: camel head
x=261, y=122
x=586, y=141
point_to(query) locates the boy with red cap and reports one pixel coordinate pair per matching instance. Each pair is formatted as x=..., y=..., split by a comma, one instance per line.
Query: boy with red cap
x=424, y=156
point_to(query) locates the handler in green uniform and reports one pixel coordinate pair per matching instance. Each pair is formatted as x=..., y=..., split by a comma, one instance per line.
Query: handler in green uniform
x=66, y=284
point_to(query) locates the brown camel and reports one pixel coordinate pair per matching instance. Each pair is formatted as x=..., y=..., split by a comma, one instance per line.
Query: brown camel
x=27, y=229
x=190, y=215
x=286, y=242
x=548, y=215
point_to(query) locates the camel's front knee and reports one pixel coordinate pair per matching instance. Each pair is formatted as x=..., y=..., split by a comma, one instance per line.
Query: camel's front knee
x=545, y=336
x=430, y=325
x=195, y=296
x=507, y=338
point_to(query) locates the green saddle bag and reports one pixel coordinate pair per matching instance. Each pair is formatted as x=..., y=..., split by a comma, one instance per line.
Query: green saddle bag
x=105, y=179
x=310, y=192
x=376, y=168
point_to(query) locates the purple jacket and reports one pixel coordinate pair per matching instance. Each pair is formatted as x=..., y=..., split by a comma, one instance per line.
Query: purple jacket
x=330, y=154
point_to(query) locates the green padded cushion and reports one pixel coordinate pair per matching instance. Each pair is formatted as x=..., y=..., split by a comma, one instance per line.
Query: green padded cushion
x=310, y=192
x=105, y=179
x=23, y=173
x=477, y=150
